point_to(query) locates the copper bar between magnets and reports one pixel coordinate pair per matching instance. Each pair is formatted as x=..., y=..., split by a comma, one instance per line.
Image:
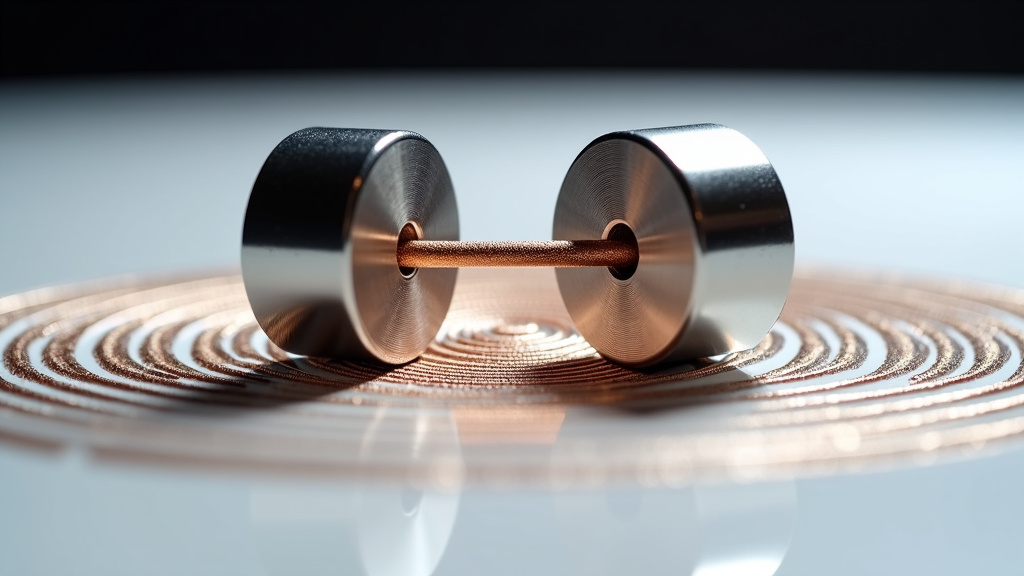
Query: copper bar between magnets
x=553, y=253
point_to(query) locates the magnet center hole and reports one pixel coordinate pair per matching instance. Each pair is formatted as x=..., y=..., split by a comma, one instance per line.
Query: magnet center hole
x=621, y=232
x=408, y=232
x=411, y=499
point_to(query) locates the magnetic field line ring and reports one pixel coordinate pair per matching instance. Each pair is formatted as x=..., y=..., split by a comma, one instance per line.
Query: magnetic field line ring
x=669, y=244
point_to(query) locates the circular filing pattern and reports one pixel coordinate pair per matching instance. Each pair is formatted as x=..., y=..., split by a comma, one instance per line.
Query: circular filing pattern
x=857, y=372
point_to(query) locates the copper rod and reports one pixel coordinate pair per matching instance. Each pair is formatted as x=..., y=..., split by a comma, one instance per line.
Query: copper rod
x=553, y=253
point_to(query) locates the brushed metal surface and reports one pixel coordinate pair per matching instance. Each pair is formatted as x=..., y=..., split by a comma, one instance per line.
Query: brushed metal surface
x=715, y=236
x=320, y=237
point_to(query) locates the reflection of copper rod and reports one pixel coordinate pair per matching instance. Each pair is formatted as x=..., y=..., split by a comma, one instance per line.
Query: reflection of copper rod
x=555, y=253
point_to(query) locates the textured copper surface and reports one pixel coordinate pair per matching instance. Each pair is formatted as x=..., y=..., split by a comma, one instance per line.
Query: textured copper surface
x=551, y=253
x=858, y=372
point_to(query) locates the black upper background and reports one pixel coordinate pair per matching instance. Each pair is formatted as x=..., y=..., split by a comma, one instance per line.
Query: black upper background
x=104, y=38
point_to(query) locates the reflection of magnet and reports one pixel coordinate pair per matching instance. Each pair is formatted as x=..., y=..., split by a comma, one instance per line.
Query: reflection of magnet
x=631, y=530
x=508, y=425
x=710, y=530
x=626, y=527
x=404, y=529
x=744, y=528
x=315, y=528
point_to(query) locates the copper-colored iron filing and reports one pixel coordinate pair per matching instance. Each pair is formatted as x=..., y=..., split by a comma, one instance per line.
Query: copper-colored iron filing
x=859, y=370
x=553, y=253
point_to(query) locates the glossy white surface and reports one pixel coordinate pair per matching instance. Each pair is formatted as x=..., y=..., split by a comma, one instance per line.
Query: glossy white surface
x=914, y=174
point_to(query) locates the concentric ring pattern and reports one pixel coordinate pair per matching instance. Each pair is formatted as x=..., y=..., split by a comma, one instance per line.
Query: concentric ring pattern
x=859, y=371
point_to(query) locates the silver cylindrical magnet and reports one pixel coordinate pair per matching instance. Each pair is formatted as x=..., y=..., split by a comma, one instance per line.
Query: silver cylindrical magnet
x=715, y=239
x=320, y=239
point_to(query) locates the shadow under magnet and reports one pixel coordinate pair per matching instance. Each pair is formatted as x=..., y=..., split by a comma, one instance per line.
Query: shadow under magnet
x=858, y=372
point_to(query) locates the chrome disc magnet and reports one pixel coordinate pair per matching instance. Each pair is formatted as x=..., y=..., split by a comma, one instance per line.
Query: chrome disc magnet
x=715, y=240
x=320, y=238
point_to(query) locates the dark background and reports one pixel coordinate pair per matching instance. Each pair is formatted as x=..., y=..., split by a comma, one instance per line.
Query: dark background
x=90, y=38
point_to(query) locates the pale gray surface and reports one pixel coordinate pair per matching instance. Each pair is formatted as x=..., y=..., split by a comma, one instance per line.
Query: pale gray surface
x=102, y=178
x=913, y=174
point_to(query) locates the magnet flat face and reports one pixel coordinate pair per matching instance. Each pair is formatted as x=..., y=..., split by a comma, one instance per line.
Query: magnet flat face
x=320, y=238
x=715, y=238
